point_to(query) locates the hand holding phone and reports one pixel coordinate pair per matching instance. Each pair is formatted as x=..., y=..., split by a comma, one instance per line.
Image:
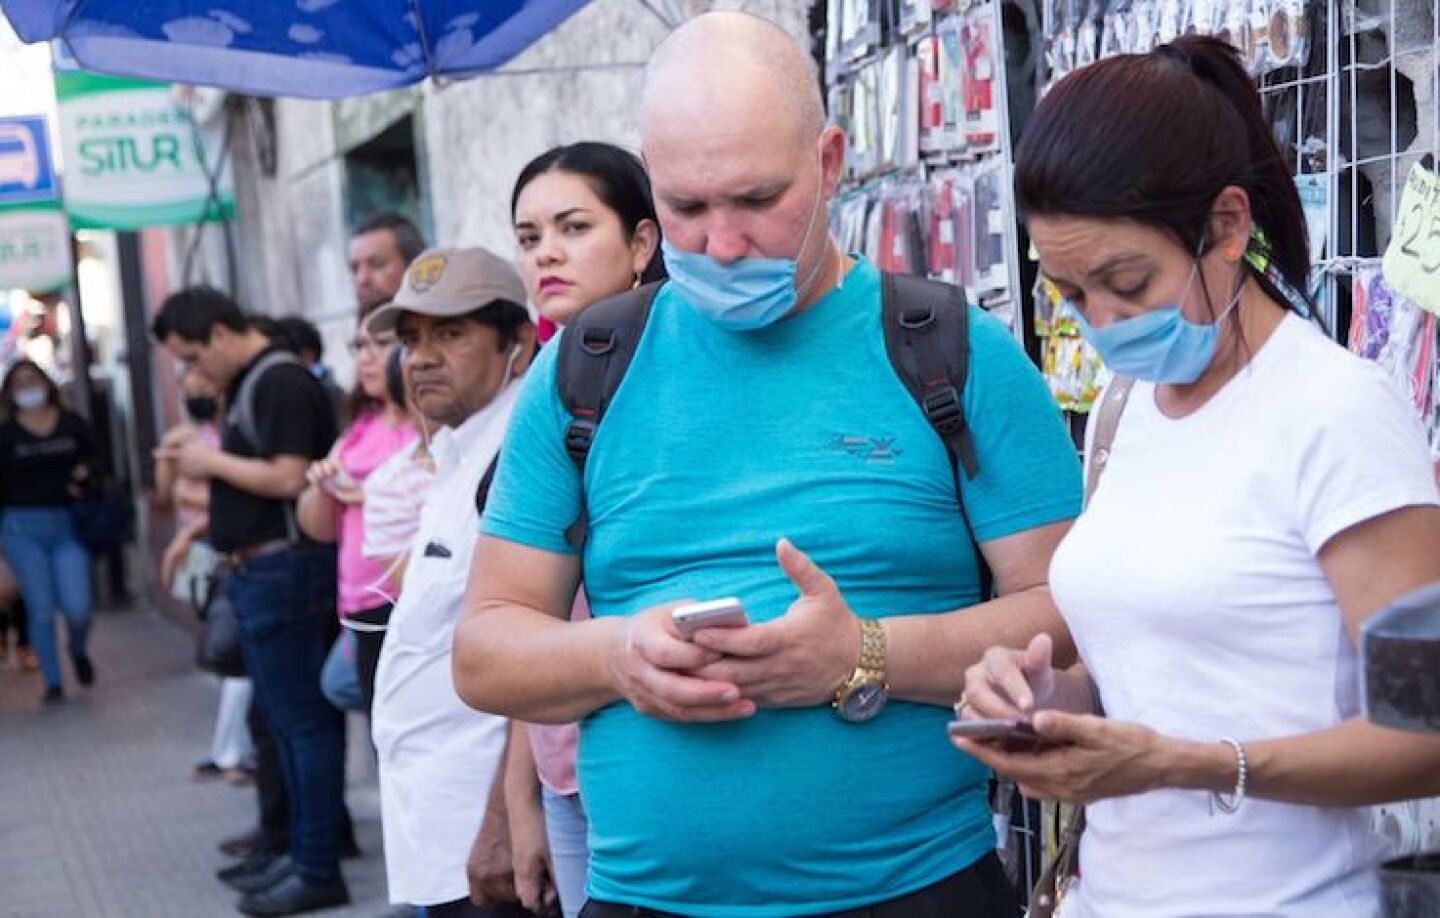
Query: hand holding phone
x=717, y=613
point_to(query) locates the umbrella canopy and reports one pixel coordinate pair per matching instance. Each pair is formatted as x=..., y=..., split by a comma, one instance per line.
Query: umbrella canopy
x=313, y=48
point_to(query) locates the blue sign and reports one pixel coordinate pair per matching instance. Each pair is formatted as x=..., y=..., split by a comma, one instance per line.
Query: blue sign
x=26, y=174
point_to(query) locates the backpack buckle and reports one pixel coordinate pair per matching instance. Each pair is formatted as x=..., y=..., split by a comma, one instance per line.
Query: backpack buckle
x=597, y=342
x=578, y=437
x=916, y=318
x=942, y=409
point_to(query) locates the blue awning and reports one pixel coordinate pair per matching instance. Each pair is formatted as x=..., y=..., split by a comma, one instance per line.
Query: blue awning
x=320, y=49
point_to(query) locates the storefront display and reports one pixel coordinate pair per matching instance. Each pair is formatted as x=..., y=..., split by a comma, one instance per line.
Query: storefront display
x=919, y=88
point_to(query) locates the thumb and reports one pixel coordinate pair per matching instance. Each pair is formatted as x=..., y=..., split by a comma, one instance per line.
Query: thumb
x=1037, y=656
x=807, y=576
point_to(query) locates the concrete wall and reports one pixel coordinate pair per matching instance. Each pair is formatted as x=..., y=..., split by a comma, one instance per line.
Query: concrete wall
x=473, y=137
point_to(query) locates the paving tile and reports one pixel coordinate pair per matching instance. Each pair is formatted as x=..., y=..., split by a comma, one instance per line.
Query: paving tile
x=98, y=818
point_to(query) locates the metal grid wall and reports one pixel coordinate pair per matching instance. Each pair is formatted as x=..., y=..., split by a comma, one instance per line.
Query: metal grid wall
x=1353, y=122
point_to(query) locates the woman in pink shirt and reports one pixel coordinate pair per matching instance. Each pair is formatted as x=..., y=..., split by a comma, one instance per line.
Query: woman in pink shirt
x=586, y=228
x=331, y=508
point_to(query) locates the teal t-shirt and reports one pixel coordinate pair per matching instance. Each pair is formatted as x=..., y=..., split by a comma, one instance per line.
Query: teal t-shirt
x=717, y=444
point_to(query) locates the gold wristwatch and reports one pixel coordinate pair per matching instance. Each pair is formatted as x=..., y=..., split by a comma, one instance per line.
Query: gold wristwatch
x=863, y=696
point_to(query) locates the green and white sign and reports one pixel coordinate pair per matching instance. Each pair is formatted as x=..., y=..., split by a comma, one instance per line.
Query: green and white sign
x=134, y=158
x=34, y=247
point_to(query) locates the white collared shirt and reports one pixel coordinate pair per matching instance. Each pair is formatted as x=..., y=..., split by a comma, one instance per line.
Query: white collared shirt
x=438, y=757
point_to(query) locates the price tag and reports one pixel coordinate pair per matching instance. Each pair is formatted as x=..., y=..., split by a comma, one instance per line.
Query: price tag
x=1412, y=260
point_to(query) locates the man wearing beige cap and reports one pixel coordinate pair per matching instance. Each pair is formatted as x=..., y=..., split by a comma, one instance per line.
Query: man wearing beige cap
x=467, y=337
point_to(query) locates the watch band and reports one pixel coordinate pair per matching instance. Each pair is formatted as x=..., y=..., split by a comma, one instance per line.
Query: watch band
x=874, y=654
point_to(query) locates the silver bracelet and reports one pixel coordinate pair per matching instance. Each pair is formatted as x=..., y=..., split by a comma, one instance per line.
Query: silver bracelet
x=1241, y=775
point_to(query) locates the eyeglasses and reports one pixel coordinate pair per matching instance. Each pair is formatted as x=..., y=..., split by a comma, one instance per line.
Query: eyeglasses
x=364, y=344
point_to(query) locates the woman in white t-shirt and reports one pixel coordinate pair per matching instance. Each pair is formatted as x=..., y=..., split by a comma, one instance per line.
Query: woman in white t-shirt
x=1266, y=492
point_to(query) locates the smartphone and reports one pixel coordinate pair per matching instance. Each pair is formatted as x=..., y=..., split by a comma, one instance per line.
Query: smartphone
x=1010, y=735
x=717, y=613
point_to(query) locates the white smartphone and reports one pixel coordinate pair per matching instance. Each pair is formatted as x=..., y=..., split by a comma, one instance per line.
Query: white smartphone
x=717, y=613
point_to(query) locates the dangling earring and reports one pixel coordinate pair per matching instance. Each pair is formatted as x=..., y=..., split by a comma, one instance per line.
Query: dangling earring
x=636, y=282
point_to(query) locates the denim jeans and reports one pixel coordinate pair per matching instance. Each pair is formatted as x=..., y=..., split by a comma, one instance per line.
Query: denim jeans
x=54, y=570
x=340, y=677
x=567, y=829
x=285, y=607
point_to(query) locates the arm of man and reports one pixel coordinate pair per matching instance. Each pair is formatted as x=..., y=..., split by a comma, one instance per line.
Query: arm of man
x=278, y=477
x=517, y=654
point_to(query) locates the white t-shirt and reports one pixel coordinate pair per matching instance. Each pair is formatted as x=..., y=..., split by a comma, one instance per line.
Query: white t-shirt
x=1192, y=586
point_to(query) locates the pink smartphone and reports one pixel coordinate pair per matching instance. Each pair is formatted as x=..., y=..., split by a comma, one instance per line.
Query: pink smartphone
x=1011, y=735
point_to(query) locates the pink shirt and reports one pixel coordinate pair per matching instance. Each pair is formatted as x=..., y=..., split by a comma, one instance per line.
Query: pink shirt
x=367, y=444
x=555, y=745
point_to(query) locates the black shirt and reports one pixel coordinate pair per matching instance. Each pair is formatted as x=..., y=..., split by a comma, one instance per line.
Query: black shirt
x=293, y=417
x=35, y=471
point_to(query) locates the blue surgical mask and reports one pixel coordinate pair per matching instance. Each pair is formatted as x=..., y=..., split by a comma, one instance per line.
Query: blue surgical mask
x=746, y=294
x=1161, y=345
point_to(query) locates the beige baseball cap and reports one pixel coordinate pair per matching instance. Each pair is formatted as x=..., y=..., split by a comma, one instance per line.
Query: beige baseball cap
x=450, y=282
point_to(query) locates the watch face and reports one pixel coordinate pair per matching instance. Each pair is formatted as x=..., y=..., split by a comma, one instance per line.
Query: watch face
x=864, y=703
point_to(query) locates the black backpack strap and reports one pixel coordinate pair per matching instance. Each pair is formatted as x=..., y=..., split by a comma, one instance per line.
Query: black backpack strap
x=595, y=352
x=482, y=490
x=927, y=337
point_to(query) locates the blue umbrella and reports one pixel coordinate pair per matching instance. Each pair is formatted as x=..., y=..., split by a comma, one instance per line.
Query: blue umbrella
x=315, y=48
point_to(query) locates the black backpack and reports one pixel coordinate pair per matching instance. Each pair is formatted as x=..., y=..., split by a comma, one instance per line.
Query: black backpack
x=927, y=337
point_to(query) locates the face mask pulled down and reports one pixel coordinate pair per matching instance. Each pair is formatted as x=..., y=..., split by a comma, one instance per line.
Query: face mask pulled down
x=1160, y=346
x=746, y=294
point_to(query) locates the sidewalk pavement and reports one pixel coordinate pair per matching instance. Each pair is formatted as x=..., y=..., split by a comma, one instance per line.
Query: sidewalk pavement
x=98, y=817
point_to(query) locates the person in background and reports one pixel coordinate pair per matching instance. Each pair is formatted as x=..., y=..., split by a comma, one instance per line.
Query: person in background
x=305, y=342
x=586, y=229
x=395, y=493
x=381, y=247
x=188, y=567
x=282, y=586
x=1264, y=494
x=45, y=456
x=467, y=338
x=331, y=509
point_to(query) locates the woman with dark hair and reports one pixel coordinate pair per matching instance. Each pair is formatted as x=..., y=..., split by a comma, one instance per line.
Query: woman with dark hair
x=1264, y=494
x=45, y=456
x=331, y=508
x=586, y=228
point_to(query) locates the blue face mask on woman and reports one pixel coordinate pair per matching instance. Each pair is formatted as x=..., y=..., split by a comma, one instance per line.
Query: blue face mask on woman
x=746, y=294
x=1161, y=345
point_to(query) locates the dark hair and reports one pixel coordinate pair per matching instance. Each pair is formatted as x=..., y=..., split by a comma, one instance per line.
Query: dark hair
x=617, y=177
x=395, y=377
x=270, y=327
x=1155, y=138
x=407, y=236
x=303, y=336
x=7, y=389
x=191, y=313
x=505, y=317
